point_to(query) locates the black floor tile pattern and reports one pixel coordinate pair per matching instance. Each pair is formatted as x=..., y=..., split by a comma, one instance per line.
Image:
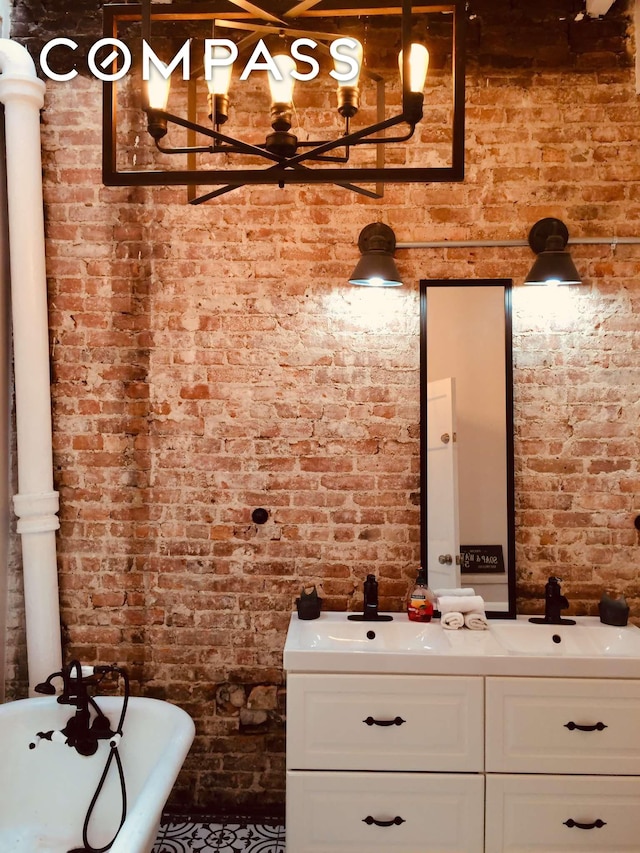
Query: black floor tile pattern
x=201, y=835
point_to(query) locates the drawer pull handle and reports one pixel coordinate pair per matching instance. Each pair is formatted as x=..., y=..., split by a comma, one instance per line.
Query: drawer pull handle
x=371, y=721
x=596, y=727
x=597, y=824
x=371, y=821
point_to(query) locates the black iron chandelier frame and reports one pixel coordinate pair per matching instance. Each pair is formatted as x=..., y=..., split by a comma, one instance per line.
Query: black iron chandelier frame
x=290, y=168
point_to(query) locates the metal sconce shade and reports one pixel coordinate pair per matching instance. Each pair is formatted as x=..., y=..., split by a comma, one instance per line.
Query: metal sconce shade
x=376, y=267
x=554, y=265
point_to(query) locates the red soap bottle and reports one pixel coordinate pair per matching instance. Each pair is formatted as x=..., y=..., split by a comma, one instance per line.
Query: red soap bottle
x=421, y=600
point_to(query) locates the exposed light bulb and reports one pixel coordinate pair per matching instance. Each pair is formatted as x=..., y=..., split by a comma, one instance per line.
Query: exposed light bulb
x=418, y=66
x=356, y=52
x=158, y=88
x=220, y=74
x=348, y=91
x=282, y=90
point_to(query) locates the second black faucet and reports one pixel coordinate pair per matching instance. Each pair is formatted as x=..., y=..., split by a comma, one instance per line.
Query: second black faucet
x=554, y=602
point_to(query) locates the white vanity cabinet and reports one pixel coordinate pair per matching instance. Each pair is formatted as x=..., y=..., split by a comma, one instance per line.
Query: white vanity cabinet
x=404, y=738
x=384, y=762
x=414, y=764
x=563, y=765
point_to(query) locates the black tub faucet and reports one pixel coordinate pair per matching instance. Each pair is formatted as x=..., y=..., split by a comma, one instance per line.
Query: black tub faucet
x=82, y=732
x=554, y=602
x=370, y=613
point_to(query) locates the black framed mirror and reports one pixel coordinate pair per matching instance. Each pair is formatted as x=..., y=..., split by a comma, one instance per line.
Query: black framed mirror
x=466, y=439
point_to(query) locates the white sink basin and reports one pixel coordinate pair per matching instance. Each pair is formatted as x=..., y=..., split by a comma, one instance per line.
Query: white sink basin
x=332, y=643
x=334, y=632
x=581, y=640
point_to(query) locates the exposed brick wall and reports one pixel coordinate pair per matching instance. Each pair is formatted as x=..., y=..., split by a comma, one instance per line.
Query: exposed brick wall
x=210, y=360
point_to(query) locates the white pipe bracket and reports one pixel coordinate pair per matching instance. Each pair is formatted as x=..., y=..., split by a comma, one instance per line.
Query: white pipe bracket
x=22, y=89
x=37, y=513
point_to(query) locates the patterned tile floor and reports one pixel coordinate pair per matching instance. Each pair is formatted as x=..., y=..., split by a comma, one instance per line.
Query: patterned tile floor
x=187, y=836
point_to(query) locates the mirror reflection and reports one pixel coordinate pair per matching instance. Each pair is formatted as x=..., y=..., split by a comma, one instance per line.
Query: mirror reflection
x=467, y=439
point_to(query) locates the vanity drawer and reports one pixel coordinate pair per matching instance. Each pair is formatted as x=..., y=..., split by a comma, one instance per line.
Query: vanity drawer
x=540, y=813
x=335, y=812
x=545, y=725
x=390, y=722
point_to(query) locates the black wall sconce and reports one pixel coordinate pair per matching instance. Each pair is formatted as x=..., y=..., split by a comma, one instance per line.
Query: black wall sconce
x=376, y=267
x=548, y=239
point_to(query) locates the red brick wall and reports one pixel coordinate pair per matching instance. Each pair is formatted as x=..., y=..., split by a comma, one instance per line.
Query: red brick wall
x=210, y=360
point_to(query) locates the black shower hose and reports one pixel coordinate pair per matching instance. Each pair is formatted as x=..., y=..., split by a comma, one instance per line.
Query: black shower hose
x=112, y=754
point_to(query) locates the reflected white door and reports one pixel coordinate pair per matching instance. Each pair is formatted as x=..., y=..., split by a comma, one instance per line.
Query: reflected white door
x=443, y=569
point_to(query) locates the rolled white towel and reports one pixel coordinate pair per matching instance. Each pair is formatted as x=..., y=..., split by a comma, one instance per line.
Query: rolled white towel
x=461, y=603
x=452, y=620
x=476, y=620
x=465, y=590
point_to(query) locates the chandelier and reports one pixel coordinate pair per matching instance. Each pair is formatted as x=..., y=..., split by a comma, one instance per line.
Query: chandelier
x=228, y=93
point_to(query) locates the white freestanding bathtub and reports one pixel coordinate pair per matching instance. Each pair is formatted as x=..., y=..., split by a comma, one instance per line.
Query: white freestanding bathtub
x=45, y=792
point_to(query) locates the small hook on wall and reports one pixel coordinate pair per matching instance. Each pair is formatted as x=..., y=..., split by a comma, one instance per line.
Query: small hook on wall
x=259, y=515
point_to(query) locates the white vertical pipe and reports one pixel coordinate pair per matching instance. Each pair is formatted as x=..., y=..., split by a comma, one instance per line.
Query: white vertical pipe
x=36, y=503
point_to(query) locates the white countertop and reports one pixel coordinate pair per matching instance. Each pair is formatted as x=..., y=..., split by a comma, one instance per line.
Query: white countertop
x=331, y=643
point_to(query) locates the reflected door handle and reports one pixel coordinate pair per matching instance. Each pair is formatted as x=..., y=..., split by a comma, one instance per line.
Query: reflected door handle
x=445, y=559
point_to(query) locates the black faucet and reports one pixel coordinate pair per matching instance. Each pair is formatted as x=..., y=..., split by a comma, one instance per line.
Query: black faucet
x=554, y=602
x=81, y=732
x=371, y=597
x=370, y=613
